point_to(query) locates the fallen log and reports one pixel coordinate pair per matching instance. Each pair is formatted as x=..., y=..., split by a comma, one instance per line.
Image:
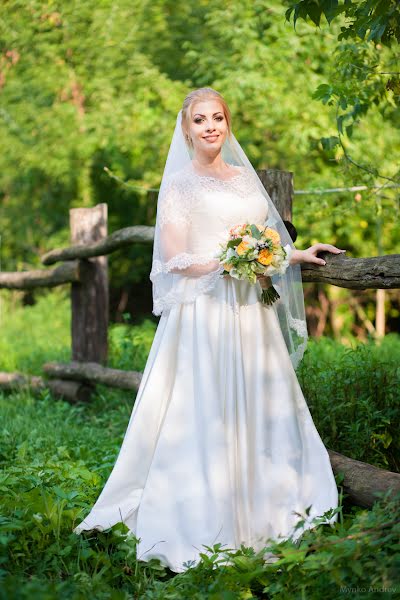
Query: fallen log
x=377, y=272
x=362, y=481
x=94, y=373
x=72, y=391
x=25, y=280
x=13, y=381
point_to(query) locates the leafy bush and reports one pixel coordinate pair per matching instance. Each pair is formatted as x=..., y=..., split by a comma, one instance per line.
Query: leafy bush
x=354, y=397
x=130, y=344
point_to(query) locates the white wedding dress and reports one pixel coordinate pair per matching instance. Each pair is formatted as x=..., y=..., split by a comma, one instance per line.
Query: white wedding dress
x=220, y=446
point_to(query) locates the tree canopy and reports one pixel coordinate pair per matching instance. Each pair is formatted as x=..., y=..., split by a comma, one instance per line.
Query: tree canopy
x=90, y=92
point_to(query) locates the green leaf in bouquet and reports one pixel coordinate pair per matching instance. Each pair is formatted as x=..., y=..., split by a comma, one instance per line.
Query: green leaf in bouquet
x=234, y=243
x=255, y=232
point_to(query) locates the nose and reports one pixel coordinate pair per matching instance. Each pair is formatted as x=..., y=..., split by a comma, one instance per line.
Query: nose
x=210, y=127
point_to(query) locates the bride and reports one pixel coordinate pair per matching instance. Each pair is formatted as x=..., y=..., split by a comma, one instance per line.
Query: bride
x=220, y=445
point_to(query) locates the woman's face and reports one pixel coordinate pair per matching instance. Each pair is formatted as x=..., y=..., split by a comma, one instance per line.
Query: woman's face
x=208, y=127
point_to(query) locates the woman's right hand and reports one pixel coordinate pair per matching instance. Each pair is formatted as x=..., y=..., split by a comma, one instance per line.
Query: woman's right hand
x=263, y=280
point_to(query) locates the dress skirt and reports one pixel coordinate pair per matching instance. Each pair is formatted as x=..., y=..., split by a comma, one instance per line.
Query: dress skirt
x=220, y=446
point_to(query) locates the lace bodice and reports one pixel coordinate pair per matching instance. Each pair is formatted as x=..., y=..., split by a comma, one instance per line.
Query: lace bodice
x=209, y=206
x=194, y=215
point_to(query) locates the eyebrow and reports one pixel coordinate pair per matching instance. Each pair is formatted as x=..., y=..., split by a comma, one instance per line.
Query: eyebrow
x=216, y=113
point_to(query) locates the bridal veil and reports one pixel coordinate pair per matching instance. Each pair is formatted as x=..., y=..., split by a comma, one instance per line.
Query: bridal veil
x=180, y=275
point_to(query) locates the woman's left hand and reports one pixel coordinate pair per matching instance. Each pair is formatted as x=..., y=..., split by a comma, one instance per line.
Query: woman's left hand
x=310, y=254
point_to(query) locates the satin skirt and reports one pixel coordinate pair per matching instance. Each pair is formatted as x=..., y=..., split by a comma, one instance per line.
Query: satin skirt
x=220, y=446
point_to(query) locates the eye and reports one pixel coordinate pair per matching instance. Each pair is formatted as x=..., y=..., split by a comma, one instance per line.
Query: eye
x=199, y=119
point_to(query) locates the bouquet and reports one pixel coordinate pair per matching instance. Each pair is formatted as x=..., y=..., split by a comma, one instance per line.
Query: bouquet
x=252, y=250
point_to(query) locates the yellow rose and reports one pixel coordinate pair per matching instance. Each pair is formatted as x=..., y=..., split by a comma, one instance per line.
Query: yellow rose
x=265, y=257
x=242, y=247
x=227, y=266
x=274, y=235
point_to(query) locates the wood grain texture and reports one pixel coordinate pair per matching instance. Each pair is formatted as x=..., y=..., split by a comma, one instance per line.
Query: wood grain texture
x=94, y=373
x=90, y=297
x=26, y=280
x=362, y=481
x=381, y=272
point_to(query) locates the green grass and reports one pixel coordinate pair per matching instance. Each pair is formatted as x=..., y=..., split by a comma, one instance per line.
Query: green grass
x=55, y=459
x=52, y=474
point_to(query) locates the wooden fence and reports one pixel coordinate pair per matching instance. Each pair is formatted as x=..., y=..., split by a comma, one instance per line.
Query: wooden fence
x=84, y=266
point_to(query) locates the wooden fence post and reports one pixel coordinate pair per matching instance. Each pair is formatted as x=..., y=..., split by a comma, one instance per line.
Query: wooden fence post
x=90, y=298
x=279, y=185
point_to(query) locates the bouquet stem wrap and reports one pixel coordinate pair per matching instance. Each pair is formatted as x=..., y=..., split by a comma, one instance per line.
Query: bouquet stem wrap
x=269, y=293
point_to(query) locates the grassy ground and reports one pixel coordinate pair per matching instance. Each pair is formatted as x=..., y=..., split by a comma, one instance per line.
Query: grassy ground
x=55, y=459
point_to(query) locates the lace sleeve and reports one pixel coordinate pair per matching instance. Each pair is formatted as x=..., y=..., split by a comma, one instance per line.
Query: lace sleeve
x=175, y=225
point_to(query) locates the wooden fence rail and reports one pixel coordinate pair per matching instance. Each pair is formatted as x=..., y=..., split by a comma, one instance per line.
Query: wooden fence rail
x=84, y=266
x=28, y=280
x=375, y=272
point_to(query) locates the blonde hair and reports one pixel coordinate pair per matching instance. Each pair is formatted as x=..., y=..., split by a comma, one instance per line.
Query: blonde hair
x=199, y=95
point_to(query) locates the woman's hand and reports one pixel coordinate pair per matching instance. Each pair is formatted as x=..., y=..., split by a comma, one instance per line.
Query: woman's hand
x=310, y=254
x=264, y=281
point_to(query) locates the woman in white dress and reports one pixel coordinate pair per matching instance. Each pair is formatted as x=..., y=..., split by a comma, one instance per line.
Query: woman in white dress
x=220, y=446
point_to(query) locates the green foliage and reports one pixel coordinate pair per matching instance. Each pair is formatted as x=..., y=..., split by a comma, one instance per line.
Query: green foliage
x=364, y=74
x=52, y=473
x=372, y=21
x=130, y=345
x=354, y=397
x=32, y=335
x=95, y=85
x=98, y=84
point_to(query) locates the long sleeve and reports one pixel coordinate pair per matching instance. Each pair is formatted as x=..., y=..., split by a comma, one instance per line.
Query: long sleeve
x=175, y=221
x=179, y=273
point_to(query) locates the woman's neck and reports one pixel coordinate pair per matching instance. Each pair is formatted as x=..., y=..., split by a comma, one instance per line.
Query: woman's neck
x=213, y=165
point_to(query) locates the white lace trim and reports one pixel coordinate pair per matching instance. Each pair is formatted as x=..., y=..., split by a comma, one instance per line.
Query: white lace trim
x=180, y=261
x=184, y=189
x=242, y=184
x=222, y=181
x=298, y=354
x=298, y=325
x=173, y=298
